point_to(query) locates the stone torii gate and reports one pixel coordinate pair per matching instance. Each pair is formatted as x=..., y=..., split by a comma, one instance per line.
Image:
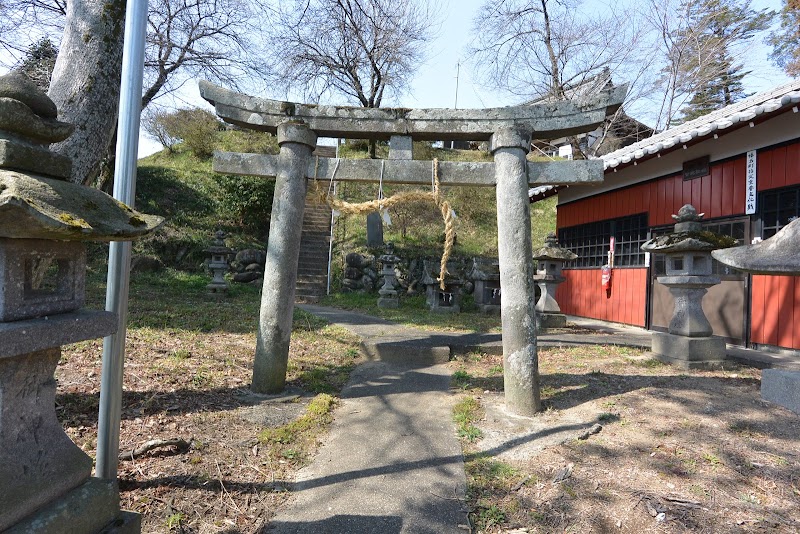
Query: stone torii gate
x=509, y=131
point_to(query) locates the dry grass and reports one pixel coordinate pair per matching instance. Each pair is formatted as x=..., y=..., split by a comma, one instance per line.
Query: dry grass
x=678, y=451
x=187, y=375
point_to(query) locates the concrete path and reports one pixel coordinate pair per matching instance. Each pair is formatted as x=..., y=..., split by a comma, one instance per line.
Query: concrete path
x=392, y=462
x=389, y=341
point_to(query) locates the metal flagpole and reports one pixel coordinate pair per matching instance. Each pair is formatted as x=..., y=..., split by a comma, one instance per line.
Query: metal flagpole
x=119, y=255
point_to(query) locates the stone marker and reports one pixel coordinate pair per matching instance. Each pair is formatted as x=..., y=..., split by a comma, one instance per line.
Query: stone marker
x=374, y=230
x=551, y=258
x=45, y=482
x=778, y=255
x=689, y=344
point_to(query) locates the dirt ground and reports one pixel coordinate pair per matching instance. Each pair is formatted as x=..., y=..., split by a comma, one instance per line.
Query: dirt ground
x=193, y=386
x=675, y=451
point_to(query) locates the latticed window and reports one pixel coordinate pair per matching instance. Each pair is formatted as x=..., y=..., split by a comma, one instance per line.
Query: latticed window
x=590, y=241
x=778, y=208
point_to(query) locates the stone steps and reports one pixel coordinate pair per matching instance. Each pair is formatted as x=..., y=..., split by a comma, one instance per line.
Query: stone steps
x=312, y=265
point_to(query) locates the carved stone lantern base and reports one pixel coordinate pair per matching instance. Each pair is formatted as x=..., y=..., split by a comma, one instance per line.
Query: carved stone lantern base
x=550, y=320
x=689, y=352
x=91, y=507
x=389, y=301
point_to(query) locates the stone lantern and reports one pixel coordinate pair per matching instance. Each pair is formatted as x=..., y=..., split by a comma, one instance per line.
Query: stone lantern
x=447, y=300
x=485, y=274
x=689, y=343
x=388, y=294
x=218, y=264
x=550, y=259
x=45, y=482
x=778, y=255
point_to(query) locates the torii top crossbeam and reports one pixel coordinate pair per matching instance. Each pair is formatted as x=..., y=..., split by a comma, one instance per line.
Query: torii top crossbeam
x=543, y=120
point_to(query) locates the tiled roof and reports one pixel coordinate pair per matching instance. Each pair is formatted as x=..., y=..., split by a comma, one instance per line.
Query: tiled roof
x=759, y=105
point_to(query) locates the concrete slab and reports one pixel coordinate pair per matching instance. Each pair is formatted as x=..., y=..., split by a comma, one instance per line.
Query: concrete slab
x=781, y=387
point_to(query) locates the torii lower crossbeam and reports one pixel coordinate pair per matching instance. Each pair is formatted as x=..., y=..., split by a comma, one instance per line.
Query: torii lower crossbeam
x=413, y=172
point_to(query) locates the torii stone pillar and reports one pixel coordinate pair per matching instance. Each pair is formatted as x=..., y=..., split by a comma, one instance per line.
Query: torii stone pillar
x=283, y=250
x=520, y=373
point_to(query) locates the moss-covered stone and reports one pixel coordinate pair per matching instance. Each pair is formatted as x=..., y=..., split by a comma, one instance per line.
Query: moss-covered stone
x=37, y=207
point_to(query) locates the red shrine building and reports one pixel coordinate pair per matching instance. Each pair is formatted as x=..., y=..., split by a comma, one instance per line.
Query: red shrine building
x=740, y=166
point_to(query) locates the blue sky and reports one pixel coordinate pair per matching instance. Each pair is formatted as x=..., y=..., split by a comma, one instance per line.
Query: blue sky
x=435, y=84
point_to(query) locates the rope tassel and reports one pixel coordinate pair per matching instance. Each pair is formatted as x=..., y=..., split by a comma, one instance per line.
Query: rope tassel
x=383, y=204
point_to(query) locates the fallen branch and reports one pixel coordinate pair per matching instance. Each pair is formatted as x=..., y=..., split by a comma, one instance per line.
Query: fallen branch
x=148, y=446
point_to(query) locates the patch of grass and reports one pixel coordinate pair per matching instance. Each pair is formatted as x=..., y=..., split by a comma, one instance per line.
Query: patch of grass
x=174, y=521
x=295, y=440
x=466, y=413
x=181, y=354
x=317, y=380
x=307, y=322
x=489, y=484
x=496, y=370
x=461, y=379
x=413, y=312
x=490, y=516
x=608, y=417
x=649, y=363
x=744, y=428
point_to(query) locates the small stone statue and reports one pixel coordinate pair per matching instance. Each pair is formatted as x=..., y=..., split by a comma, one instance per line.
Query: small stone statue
x=388, y=294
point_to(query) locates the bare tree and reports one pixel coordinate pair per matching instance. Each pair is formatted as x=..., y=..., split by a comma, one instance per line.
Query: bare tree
x=554, y=50
x=24, y=22
x=209, y=38
x=186, y=38
x=548, y=48
x=362, y=50
x=702, y=44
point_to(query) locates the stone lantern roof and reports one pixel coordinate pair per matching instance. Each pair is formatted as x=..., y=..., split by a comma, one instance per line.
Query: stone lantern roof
x=552, y=251
x=218, y=244
x=780, y=254
x=36, y=201
x=484, y=269
x=688, y=236
x=431, y=269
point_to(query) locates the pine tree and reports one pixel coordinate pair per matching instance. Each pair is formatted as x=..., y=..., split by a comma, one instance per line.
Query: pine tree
x=786, y=40
x=711, y=73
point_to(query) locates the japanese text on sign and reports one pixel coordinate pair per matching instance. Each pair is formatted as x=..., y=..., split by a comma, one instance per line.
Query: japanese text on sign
x=750, y=193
